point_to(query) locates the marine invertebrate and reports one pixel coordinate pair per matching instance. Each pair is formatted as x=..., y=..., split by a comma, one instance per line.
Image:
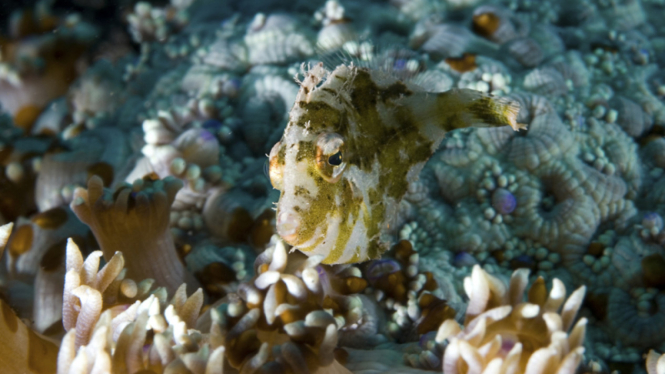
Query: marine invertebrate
x=266, y=100
x=655, y=363
x=559, y=206
x=503, y=201
x=198, y=146
x=337, y=199
x=623, y=15
x=505, y=333
x=112, y=332
x=289, y=293
x=228, y=215
x=610, y=171
x=95, y=94
x=48, y=286
x=101, y=151
x=497, y=24
x=546, y=140
x=411, y=298
x=489, y=76
x=226, y=54
x=548, y=39
x=179, y=148
x=32, y=239
x=570, y=198
x=642, y=311
x=630, y=116
x=526, y=51
x=114, y=217
x=39, y=60
x=277, y=39
x=545, y=81
x=220, y=269
x=107, y=329
x=22, y=349
x=417, y=10
x=651, y=227
x=88, y=289
x=148, y=23
x=336, y=30
x=447, y=40
x=571, y=66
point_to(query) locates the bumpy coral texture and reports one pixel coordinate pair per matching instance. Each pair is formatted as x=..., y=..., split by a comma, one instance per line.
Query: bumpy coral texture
x=506, y=334
x=153, y=164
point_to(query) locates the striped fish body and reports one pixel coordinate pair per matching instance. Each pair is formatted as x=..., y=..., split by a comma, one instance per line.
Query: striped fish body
x=355, y=140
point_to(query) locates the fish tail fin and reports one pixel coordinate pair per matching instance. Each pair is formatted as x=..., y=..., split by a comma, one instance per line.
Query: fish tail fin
x=470, y=108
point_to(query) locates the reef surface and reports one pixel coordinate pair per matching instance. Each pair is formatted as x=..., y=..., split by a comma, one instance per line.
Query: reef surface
x=136, y=208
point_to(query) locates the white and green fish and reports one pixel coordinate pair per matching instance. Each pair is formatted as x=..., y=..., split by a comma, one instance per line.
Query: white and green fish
x=356, y=138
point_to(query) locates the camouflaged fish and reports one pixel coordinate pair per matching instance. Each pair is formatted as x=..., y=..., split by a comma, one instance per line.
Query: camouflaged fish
x=356, y=138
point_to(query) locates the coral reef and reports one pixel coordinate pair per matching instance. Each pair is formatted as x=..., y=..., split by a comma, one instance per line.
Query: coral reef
x=137, y=204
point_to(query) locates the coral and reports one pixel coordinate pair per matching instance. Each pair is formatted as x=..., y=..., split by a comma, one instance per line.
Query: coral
x=114, y=216
x=255, y=332
x=276, y=38
x=32, y=239
x=630, y=116
x=102, y=151
x=505, y=333
x=655, y=363
x=147, y=23
x=447, y=40
x=489, y=76
x=205, y=92
x=88, y=290
x=526, y=51
x=623, y=15
x=97, y=93
x=636, y=317
x=266, y=101
x=337, y=30
x=559, y=213
x=497, y=24
x=417, y=9
x=545, y=81
x=107, y=330
x=22, y=349
x=39, y=60
x=411, y=298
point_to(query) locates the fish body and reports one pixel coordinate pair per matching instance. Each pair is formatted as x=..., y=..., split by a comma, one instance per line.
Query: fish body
x=356, y=138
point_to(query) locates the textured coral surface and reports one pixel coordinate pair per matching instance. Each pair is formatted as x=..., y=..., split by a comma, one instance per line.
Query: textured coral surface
x=138, y=231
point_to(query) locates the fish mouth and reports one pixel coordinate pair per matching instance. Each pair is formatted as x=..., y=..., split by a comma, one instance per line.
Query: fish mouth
x=288, y=224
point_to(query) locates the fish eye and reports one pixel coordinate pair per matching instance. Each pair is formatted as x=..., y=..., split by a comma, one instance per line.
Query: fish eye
x=336, y=159
x=329, y=156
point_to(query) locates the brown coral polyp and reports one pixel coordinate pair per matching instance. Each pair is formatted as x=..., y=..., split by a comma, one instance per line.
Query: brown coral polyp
x=135, y=220
x=486, y=24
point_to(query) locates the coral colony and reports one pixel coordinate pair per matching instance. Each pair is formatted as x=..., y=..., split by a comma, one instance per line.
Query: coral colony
x=399, y=186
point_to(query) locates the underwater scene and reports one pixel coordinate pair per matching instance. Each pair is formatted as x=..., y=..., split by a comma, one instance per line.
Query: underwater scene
x=332, y=187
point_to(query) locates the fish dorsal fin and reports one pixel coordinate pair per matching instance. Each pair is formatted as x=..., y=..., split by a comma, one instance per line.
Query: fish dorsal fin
x=313, y=76
x=389, y=59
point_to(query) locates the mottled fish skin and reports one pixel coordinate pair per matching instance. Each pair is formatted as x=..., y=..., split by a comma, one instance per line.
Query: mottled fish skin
x=355, y=140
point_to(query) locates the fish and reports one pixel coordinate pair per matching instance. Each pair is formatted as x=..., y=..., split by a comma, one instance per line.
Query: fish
x=355, y=140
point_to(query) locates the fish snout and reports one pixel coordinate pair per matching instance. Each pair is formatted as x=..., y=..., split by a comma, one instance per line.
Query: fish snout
x=288, y=223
